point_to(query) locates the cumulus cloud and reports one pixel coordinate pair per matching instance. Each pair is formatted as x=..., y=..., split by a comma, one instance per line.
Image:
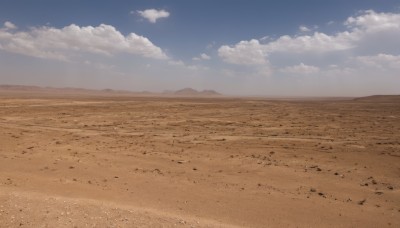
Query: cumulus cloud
x=368, y=32
x=203, y=56
x=9, y=25
x=61, y=44
x=380, y=61
x=176, y=63
x=152, y=15
x=254, y=53
x=304, y=29
x=318, y=42
x=244, y=53
x=371, y=21
x=300, y=69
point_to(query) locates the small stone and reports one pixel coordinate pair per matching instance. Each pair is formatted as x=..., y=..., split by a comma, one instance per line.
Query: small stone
x=361, y=202
x=313, y=190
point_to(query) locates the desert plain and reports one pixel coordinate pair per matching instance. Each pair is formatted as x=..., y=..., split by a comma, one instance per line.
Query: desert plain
x=147, y=161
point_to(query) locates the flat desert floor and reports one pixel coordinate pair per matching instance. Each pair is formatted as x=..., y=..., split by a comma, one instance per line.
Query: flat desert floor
x=108, y=161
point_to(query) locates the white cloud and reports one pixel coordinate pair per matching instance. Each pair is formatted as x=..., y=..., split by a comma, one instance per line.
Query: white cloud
x=9, y=25
x=203, y=56
x=330, y=23
x=61, y=44
x=179, y=64
x=304, y=29
x=300, y=69
x=371, y=21
x=153, y=15
x=253, y=53
x=380, y=61
x=176, y=63
x=244, y=53
x=318, y=42
x=362, y=32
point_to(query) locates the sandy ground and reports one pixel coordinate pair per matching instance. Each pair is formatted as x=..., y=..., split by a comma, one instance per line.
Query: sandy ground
x=180, y=162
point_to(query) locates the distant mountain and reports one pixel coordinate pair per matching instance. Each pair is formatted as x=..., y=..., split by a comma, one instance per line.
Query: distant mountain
x=64, y=90
x=193, y=92
x=188, y=92
x=210, y=93
x=20, y=87
x=380, y=98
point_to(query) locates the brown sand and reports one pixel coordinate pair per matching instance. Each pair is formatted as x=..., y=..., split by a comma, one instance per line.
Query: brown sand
x=180, y=162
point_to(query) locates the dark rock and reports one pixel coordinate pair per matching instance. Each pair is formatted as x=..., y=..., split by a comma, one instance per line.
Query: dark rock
x=361, y=202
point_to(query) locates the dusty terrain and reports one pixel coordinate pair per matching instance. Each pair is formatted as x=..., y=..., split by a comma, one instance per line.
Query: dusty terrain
x=98, y=161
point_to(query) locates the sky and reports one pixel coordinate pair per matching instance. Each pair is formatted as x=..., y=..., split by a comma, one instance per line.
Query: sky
x=236, y=47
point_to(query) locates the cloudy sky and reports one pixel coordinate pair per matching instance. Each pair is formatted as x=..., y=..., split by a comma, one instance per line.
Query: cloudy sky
x=237, y=47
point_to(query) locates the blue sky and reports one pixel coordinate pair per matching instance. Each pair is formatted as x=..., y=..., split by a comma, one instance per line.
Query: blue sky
x=238, y=47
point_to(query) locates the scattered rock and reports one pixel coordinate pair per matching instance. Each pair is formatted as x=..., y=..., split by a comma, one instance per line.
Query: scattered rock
x=313, y=190
x=361, y=202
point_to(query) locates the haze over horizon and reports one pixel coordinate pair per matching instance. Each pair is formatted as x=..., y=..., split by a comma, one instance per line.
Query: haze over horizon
x=269, y=48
